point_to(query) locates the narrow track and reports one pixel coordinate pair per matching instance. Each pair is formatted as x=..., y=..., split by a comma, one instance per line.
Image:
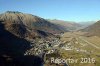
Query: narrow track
x=89, y=42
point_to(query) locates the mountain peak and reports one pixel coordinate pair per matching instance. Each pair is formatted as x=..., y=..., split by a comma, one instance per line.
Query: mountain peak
x=13, y=12
x=27, y=25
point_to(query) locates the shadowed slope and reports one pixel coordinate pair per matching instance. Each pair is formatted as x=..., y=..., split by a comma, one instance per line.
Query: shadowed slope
x=12, y=49
x=11, y=44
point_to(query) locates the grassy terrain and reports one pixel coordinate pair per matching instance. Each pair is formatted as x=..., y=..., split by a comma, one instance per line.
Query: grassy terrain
x=91, y=51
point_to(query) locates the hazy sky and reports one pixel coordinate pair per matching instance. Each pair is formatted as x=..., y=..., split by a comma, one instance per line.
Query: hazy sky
x=70, y=10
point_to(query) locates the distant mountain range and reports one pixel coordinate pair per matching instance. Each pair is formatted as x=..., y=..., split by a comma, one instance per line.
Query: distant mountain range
x=87, y=23
x=66, y=25
x=93, y=30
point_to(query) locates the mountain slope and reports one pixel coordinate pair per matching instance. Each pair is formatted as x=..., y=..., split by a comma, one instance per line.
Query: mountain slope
x=93, y=29
x=29, y=21
x=11, y=44
x=12, y=49
x=68, y=26
x=15, y=27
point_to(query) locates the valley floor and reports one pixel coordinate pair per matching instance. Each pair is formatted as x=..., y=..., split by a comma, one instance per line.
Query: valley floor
x=75, y=45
